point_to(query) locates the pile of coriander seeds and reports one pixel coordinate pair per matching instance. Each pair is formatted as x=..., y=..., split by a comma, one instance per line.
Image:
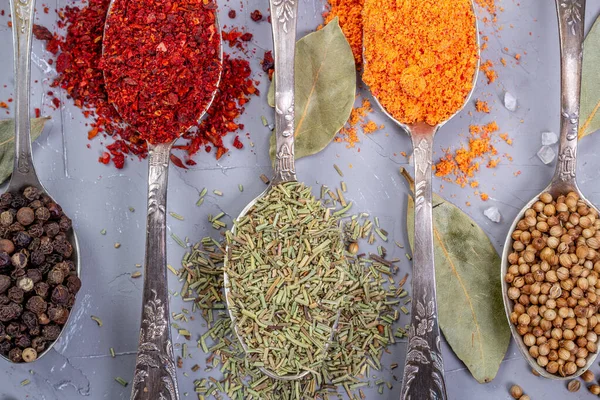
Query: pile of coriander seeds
x=553, y=282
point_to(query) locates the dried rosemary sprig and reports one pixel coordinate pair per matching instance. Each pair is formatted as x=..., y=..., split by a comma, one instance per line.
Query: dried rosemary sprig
x=286, y=270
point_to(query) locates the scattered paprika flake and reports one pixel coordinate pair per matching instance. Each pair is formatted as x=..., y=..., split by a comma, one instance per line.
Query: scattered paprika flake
x=83, y=82
x=482, y=106
x=256, y=16
x=231, y=14
x=348, y=133
x=488, y=69
x=3, y=104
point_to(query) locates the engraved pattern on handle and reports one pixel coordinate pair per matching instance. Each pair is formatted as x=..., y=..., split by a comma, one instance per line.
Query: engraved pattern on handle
x=571, y=28
x=23, y=12
x=155, y=376
x=424, y=367
x=284, y=44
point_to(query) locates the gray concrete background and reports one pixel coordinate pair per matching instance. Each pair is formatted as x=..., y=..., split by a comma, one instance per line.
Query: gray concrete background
x=98, y=197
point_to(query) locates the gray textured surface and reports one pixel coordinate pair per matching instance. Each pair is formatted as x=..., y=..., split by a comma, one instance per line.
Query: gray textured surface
x=98, y=197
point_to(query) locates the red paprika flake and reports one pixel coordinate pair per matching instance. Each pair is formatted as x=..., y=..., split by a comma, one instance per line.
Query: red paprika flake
x=256, y=15
x=80, y=77
x=161, y=63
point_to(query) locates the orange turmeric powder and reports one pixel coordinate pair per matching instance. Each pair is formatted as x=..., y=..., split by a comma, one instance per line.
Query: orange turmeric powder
x=349, y=13
x=482, y=106
x=420, y=56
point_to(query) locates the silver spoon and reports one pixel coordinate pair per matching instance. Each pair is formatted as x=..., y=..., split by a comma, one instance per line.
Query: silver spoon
x=570, y=28
x=24, y=175
x=424, y=368
x=284, y=43
x=155, y=375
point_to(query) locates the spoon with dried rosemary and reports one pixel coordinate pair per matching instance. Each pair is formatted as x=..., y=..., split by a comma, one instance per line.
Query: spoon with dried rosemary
x=285, y=253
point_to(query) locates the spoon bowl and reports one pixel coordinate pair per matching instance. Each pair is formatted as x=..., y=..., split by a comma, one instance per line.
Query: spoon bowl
x=24, y=174
x=423, y=370
x=571, y=28
x=155, y=372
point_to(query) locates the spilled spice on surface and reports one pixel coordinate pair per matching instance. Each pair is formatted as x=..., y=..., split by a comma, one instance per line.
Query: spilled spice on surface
x=349, y=133
x=461, y=165
x=482, y=106
x=78, y=54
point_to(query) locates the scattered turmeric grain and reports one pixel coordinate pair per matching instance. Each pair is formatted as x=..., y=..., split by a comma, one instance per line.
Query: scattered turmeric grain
x=503, y=61
x=489, y=5
x=488, y=69
x=468, y=204
x=482, y=106
x=517, y=56
x=370, y=127
x=465, y=162
x=484, y=196
x=420, y=72
x=349, y=133
x=349, y=13
x=3, y=104
x=504, y=136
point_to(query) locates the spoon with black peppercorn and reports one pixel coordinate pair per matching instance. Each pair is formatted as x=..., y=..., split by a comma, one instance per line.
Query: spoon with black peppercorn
x=552, y=242
x=41, y=277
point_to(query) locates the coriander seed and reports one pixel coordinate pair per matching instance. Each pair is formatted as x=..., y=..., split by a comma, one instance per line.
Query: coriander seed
x=594, y=389
x=516, y=392
x=573, y=385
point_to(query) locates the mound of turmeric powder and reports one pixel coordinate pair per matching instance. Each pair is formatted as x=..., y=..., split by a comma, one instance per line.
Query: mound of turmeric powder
x=421, y=56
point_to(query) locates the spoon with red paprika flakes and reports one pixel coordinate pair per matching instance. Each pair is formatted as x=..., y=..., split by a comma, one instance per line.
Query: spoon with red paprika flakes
x=162, y=62
x=39, y=253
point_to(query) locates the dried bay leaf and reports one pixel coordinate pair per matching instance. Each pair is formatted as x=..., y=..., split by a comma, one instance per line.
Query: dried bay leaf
x=589, y=120
x=325, y=86
x=7, y=143
x=469, y=293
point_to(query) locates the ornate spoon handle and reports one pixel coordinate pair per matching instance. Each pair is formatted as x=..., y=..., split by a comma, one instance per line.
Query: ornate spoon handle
x=570, y=27
x=284, y=44
x=23, y=12
x=155, y=376
x=424, y=367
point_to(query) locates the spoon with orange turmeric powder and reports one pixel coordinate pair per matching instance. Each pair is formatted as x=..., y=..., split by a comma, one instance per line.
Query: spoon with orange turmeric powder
x=421, y=60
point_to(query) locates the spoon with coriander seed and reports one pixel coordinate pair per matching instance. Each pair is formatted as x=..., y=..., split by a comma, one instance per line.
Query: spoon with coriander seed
x=39, y=253
x=551, y=259
x=285, y=253
x=162, y=63
x=426, y=83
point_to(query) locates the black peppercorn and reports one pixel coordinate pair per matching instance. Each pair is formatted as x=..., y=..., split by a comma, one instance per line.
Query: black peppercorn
x=30, y=319
x=6, y=218
x=37, y=258
x=42, y=214
x=5, y=347
x=73, y=284
x=13, y=329
x=25, y=216
x=34, y=205
x=58, y=314
x=65, y=223
x=4, y=299
x=22, y=239
x=46, y=245
x=7, y=246
x=5, y=199
x=17, y=273
x=43, y=319
x=35, y=275
x=18, y=201
x=36, y=230
x=52, y=229
x=2, y=331
x=31, y=193
x=23, y=341
x=55, y=210
x=51, y=332
x=5, y=283
x=15, y=355
x=55, y=276
x=63, y=248
x=25, y=283
x=60, y=295
x=5, y=260
x=4, y=232
x=10, y=311
x=15, y=227
x=34, y=245
x=61, y=237
x=19, y=260
x=38, y=344
x=42, y=289
x=16, y=294
x=53, y=259
x=36, y=304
